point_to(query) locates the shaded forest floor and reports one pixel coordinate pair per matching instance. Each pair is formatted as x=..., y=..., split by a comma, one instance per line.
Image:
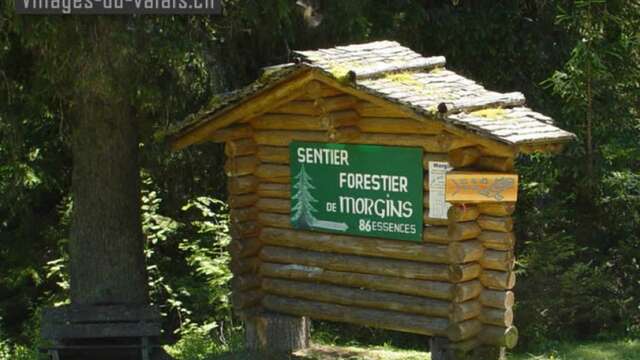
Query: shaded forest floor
x=606, y=350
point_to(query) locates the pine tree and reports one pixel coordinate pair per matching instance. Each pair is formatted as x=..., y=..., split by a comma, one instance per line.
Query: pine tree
x=303, y=210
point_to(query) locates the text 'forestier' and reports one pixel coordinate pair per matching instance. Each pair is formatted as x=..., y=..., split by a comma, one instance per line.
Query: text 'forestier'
x=357, y=189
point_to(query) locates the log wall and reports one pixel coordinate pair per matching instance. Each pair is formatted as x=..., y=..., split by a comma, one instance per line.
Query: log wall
x=242, y=186
x=497, y=261
x=454, y=284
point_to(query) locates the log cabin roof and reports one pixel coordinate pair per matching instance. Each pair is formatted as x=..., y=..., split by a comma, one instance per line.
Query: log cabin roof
x=420, y=86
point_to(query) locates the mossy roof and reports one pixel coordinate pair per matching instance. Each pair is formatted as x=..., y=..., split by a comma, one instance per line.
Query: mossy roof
x=401, y=76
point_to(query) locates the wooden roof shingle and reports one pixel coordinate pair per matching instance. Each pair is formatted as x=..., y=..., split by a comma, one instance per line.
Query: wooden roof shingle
x=420, y=84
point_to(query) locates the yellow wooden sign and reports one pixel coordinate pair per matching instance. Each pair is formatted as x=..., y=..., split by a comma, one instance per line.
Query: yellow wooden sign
x=477, y=187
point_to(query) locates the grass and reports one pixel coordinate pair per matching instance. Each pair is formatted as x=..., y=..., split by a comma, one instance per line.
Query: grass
x=330, y=352
x=202, y=348
x=602, y=350
x=606, y=350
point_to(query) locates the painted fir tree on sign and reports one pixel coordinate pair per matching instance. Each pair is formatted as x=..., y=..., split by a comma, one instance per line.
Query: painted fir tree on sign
x=302, y=212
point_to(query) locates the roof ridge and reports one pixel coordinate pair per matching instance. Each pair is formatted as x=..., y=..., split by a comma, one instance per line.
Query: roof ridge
x=503, y=100
x=372, y=45
x=415, y=65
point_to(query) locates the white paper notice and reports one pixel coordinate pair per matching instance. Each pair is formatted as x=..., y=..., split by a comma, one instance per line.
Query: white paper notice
x=437, y=206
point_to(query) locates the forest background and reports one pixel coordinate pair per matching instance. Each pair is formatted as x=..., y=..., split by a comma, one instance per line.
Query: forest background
x=579, y=212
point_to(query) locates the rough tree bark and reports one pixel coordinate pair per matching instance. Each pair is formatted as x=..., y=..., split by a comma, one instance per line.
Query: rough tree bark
x=106, y=248
x=92, y=65
x=276, y=336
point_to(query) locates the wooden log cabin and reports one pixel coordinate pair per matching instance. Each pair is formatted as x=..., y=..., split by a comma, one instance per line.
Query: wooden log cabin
x=454, y=281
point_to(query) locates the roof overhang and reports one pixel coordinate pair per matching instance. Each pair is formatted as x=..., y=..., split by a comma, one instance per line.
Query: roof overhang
x=286, y=88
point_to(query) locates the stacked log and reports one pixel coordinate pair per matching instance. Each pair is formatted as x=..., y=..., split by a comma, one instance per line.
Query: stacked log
x=453, y=284
x=368, y=109
x=436, y=290
x=497, y=262
x=353, y=135
x=384, y=319
x=464, y=229
x=458, y=252
x=245, y=245
x=498, y=277
x=388, y=284
x=460, y=230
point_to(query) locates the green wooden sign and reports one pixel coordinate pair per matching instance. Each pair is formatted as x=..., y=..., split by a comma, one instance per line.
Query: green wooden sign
x=364, y=190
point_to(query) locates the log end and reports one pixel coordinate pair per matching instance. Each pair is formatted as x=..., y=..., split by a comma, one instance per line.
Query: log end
x=511, y=337
x=500, y=336
x=509, y=299
x=497, y=209
x=460, y=213
x=463, y=157
x=458, y=231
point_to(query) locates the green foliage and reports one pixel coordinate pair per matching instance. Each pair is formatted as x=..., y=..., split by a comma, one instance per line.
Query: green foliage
x=602, y=350
x=200, y=348
x=580, y=210
x=172, y=65
x=15, y=352
x=188, y=264
x=198, y=345
x=578, y=215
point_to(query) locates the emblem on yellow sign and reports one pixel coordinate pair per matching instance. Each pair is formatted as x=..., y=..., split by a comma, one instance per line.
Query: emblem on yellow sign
x=476, y=187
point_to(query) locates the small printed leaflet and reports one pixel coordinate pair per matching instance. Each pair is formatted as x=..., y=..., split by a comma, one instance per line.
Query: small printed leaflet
x=438, y=207
x=364, y=190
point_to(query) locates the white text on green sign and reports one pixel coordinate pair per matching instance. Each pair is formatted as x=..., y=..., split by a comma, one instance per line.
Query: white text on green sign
x=362, y=190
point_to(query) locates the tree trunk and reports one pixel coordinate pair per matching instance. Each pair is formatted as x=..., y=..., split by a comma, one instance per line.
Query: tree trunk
x=439, y=348
x=442, y=349
x=106, y=247
x=276, y=336
x=107, y=259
